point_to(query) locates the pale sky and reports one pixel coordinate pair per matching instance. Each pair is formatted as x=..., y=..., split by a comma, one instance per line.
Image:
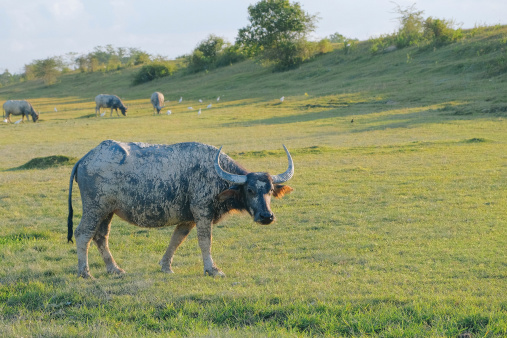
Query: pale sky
x=38, y=29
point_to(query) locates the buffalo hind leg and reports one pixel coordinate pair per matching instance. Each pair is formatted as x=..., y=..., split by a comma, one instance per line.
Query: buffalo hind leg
x=101, y=239
x=180, y=233
x=83, y=235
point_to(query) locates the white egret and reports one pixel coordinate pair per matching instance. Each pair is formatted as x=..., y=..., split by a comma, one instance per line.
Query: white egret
x=168, y=112
x=209, y=105
x=282, y=98
x=190, y=108
x=181, y=99
x=17, y=122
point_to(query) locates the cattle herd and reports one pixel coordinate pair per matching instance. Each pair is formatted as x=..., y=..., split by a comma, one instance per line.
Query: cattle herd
x=25, y=109
x=152, y=185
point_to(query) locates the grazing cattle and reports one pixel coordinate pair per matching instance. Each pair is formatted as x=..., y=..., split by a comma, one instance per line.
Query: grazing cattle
x=19, y=107
x=157, y=100
x=187, y=185
x=109, y=101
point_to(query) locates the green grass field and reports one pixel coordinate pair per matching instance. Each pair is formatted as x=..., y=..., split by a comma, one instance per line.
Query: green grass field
x=396, y=226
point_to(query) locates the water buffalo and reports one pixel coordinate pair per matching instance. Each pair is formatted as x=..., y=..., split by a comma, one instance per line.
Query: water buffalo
x=109, y=101
x=157, y=100
x=186, y=184
x=20, y=107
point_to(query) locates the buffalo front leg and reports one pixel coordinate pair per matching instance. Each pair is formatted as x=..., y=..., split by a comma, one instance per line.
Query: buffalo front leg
x=101, y=239
x=204, y=238
x=180, y=233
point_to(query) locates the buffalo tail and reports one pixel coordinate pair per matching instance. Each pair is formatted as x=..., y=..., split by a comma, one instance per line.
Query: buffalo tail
x=71, y=211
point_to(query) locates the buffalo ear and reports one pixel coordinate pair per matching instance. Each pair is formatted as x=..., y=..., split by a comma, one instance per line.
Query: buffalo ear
x=228, y=194
x=281, y=190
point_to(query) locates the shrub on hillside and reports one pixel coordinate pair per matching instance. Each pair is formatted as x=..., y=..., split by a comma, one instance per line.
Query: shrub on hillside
x=324, y=46
x=415, y=31
x=287, y=55
x=229, y=55
x=441, y=32
x=153, y=71
x=411, y=26
x=211, y=53
x=205, y=55
x=378, y=45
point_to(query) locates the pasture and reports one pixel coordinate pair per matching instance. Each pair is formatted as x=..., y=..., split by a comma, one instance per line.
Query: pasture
x=396, y=226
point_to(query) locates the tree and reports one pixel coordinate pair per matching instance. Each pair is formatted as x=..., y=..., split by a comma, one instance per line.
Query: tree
x=337, y=38
x=48, y=69
x=277, y=32
x=205, y=55
x=411, y=26
x=29, y=73
x=5, y=78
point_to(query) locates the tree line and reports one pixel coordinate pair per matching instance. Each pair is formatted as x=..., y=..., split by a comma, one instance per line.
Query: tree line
x=277, y=35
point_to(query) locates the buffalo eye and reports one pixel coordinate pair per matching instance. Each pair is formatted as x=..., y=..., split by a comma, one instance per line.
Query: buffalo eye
x=250, y=191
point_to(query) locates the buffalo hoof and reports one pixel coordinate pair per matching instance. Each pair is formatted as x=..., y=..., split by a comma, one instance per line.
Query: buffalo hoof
x=85, y=275
x=167, y=270
x=165, y=267
x=214, y=272
x=116, y=271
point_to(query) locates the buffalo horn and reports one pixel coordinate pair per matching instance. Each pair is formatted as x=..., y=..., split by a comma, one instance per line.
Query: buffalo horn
x=287, y=175
x=238, y=179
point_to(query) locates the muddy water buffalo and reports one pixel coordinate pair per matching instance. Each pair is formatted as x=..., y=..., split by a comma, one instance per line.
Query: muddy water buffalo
x=187, y=185
x=157, y=100
x=19, y=107
x=109, y=101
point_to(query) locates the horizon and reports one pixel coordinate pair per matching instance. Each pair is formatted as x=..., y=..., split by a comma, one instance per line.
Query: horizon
x=40, y=29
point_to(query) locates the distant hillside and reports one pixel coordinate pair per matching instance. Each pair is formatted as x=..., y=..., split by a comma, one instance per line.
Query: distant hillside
x=472, y=70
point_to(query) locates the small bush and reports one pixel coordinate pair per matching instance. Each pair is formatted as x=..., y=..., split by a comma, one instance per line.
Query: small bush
x=205, y=55
x=153, y=71
x=213, y=52
x=324, y=46
x=288, y=55
x=230, y=55
x=441, y=32
x=378, y=45
x=198, y=62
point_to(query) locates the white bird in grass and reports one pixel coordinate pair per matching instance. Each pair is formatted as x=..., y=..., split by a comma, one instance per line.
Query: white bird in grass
x=17, y=122
x=181, y=99
x=199, y=113
x=218, y=98
x=6, y=121
x=209, y=105
x=282, y=98
x=168, y=112
x=200, y=100
x=56, y=110
x=190, y=108
x=102, y=115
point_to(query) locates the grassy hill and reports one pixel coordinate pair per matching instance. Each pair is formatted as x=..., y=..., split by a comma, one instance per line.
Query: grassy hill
x=396, y=226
